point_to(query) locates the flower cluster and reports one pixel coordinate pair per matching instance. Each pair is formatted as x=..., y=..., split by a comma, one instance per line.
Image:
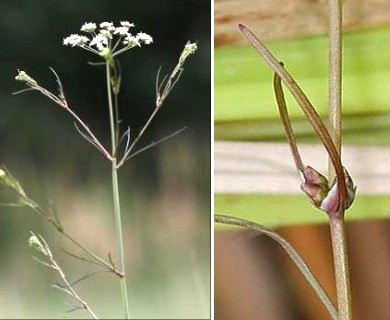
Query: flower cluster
x=107, y=39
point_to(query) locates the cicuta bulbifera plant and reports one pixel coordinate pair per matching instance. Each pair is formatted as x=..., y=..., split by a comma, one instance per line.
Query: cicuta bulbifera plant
x=106, y=41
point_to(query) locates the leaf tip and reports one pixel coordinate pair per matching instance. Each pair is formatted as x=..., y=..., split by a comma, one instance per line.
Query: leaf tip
x=242, y=27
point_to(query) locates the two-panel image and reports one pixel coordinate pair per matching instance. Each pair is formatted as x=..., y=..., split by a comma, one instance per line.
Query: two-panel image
x=222, y=159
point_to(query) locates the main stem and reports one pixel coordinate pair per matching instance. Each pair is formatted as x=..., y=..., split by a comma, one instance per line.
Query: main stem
x=337, y=222
x=115, y=190
x=335, y=69
x=341, y=266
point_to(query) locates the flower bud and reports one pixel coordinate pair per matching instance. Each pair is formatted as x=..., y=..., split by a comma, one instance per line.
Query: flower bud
x=35, y=243
x=24, y=77
x=315, y=185
x=351, y=189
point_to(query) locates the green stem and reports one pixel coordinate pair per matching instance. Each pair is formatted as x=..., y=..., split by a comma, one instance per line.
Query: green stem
x=337, y=222
x=115, y=190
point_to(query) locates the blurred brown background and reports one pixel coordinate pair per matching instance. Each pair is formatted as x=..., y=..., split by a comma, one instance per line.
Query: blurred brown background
x=254, y=279
x=279, y=19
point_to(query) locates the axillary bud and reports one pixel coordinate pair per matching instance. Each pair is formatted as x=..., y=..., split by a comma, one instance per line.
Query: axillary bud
x=326, y=198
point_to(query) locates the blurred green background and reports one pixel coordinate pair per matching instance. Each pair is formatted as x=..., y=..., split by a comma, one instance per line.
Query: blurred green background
x=165, y=192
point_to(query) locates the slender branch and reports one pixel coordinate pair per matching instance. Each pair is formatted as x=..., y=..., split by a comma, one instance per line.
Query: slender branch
x=109, y=266
x=146, y=125
x=73, y=255
x=293, y=254
x=87, y=276
x=40, y=244
x=73, y=292
x=62, y=102
x=163, y=90
x=91, y=141
x=281, y=102
x=57, y=225
x=93, y=137
x=155, y=143
x=24, y=200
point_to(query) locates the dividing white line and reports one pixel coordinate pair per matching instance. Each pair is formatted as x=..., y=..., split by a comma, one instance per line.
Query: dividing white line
x=268, y=168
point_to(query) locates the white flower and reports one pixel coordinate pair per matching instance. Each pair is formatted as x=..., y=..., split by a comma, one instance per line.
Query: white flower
x=88, y=27
x=127, y=24
x=106, y=25
x=75, y=40
x=143, y=37
x=131, y=41
x=100, y=42
x=105, y=33
x=121, y=30
x=105, y=36
x=109, y=26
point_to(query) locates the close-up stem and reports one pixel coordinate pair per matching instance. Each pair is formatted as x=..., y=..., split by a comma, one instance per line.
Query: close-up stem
x=336, y=222
x=341, y=267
